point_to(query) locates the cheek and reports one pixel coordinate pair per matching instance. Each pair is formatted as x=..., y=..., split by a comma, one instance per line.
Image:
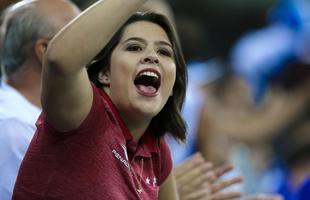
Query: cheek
x=172, y=75
x=120, y=72
x=170, y=80
x=124, y=63
x=119, y=82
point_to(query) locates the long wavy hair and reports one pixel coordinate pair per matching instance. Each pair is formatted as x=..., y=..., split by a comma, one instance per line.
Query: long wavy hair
x=169, y=119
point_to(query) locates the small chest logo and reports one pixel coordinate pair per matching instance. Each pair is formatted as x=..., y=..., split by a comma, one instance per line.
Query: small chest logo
x=120, y=157
x=151, y=181
x=123, y=158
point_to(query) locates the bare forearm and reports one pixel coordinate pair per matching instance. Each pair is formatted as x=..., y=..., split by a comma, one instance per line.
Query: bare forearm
x=84, y=37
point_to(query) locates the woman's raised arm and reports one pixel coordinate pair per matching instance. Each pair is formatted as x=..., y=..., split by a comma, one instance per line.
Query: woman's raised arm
x=66, y=90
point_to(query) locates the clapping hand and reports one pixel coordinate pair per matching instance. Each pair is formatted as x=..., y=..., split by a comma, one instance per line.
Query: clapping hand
x=197, y=179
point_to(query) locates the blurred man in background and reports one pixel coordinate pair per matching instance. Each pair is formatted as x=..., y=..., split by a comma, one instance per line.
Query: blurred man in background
x=26, y=30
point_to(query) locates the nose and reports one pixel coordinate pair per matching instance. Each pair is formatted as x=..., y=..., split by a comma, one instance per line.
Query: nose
x=151, y=58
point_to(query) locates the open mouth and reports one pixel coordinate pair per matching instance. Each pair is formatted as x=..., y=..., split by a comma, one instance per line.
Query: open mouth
x=147, y=82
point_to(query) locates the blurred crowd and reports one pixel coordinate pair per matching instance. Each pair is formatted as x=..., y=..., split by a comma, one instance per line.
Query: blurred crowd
x=250, y=102
x=248, y=96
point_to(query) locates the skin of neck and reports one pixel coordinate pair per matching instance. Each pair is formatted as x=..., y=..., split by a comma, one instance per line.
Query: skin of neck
x=136, y=127
x=27, y=81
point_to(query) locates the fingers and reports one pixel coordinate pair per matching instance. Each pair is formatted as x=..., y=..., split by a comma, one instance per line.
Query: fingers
x=220, y=185
x=197, y=180
x=223, y=169
x=189, y=164
x=202, y=181
x=198, y=174
x=226, y=195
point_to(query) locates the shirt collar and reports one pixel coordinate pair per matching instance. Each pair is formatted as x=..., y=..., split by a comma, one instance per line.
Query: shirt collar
x=147, y=144
x=150, y=142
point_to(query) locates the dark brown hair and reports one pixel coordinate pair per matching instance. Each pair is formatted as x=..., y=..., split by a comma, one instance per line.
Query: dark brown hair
x=169, y=119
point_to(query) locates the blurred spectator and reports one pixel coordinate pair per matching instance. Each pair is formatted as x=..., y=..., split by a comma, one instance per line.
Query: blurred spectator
x=303, y=193
x=267, y=90
x=293, y=149
x=268, y=50
x=3, y=5
x=26, y=29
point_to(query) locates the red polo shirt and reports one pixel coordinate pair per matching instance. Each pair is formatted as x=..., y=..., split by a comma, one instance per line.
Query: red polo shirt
x=99, y=160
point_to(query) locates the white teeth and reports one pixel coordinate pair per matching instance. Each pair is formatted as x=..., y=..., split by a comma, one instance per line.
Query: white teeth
x=148, y=73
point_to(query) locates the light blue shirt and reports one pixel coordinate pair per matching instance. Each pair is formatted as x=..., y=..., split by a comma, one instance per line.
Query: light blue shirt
x=17, y=126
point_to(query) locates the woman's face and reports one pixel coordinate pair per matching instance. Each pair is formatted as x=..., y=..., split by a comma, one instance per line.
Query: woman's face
x=142, y=71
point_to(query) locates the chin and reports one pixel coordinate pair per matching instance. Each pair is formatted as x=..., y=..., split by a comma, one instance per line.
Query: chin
x=149, y=111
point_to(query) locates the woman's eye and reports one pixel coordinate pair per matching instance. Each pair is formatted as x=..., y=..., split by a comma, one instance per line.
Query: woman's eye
x=134, y=48
x=165, y=52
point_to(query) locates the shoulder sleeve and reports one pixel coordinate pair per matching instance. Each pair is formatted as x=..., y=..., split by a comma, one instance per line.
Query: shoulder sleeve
x=166, y=160
x=90, y=122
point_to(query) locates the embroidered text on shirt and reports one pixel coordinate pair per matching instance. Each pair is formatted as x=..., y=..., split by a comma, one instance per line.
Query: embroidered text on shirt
x=120, y=158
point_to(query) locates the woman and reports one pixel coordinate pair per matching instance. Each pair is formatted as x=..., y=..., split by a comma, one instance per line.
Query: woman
x=105, y=140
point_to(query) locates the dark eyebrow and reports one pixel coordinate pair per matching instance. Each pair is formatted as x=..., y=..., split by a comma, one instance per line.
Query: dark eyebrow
x=135, y=39
x=164, y=43
x=143, y=41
